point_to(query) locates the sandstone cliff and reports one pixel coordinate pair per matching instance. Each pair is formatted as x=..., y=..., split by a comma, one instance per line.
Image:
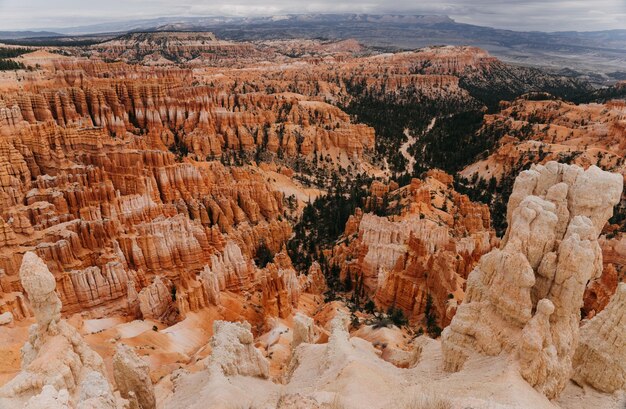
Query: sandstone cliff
x=537, y=131
x=115, y=174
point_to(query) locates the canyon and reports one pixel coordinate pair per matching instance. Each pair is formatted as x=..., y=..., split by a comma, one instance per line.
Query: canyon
x=192, y=222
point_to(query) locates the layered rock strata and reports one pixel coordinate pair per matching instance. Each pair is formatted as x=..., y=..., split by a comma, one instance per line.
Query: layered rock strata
x=114, y=174
x=539, y=130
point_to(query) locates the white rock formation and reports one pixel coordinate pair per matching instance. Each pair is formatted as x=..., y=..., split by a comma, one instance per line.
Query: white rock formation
x=55, y=356
x=537, y=354
x=234, y=353
x=338, y=346
x=550, y=251
x=132, y=377
x=303, y=330
x=230, y=267
x=600, y=358
x=49, y=398
x=95, y=392
x=387, y=241
x=6, y=318
x=40, y=284
x=210, y=285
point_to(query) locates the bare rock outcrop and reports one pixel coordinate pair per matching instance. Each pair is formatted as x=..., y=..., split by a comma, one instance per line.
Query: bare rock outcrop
x=49, y=398
x=537, y=354
x=6, y=318
x=600, y=291
x=549, y=253
x=132, y=377
x=55, y=355
x=95, y=392
x=303, y=330
x=156, y=299
x=425, y=252
x=40, y=286
x=547, y=130
x=233, y=351
x=600, y=359
x=338, y=346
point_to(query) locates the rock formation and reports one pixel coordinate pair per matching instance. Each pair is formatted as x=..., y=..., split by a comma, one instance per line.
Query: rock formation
x=338, y=347
x=539, y=130
x=547, y=130
x=537, y=353
x=6, y=318
x=40, y=286
x=55, y=355
x=155, y=300
x=426, y=251
x=115, y=173
x=600, y=358
x=303, y=330
x=170, y=47
x=132, y=377
x=233, y=351
x=95, y=178
x=550, y=252
x=599, y=291
x=49, y=398
x=95, y=392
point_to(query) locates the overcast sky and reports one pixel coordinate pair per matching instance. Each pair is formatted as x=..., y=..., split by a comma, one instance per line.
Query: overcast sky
x=544, y=15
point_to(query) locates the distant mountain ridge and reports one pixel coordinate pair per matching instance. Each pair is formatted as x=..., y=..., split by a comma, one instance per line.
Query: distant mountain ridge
x=600, y=56
x=11, y=35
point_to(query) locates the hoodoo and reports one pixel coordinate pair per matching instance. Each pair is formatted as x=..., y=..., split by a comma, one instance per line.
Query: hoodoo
x=58, y=366
x=549, y=253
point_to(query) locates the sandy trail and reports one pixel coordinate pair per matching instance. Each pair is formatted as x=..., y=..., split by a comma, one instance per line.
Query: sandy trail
x=404, y=149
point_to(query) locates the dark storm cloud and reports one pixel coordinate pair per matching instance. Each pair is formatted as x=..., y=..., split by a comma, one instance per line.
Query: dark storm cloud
x=545, y=15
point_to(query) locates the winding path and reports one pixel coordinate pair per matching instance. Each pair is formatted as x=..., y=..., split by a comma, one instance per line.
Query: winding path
x=404, y=149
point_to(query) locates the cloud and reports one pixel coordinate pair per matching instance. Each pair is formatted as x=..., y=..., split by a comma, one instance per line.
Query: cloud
x=545, y=15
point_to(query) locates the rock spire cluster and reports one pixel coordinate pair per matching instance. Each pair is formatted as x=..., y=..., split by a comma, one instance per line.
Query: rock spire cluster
x=524, y=298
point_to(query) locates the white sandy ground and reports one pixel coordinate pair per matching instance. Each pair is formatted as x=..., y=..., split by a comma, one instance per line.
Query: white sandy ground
x=290, y=187
x=94, y=326
x=404, y=149
x=357, y=378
